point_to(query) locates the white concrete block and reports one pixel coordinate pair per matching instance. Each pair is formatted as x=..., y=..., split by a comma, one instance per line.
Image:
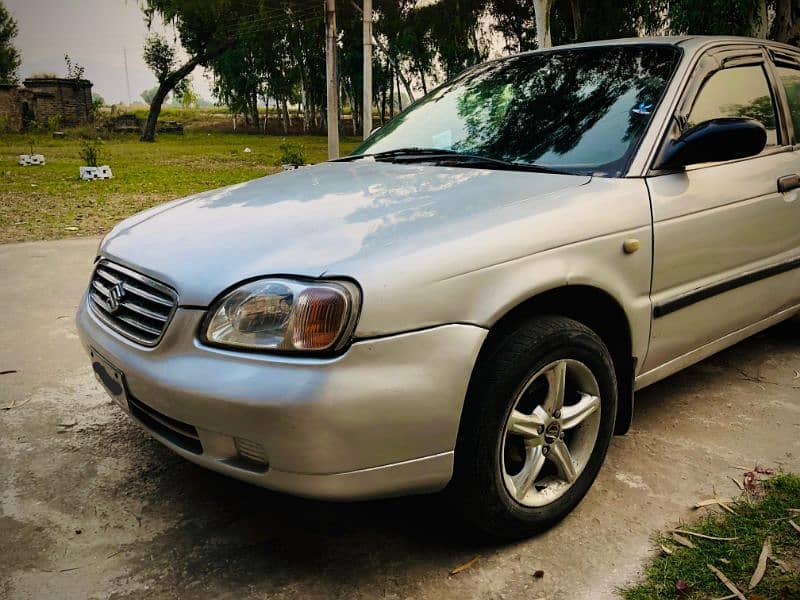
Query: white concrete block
x=31, y=159
x=90, y=173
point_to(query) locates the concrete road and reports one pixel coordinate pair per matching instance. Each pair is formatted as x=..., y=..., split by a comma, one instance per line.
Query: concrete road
x=90, y=507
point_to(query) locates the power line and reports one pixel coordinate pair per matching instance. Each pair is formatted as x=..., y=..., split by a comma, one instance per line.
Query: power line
x=302, y=16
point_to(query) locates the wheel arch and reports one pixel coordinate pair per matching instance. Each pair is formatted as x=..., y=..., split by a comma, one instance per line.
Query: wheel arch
x=599, y=311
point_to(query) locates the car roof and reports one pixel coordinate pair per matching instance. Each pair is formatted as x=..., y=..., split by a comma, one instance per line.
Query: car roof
x=690, y=43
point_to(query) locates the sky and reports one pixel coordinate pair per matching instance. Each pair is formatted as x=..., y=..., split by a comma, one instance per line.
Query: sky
x=94, y=33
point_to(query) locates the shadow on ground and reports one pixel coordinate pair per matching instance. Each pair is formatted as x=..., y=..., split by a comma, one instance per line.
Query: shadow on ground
x=98, y=509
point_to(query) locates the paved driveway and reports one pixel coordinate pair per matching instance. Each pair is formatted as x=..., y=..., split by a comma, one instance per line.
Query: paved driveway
x=91, y=507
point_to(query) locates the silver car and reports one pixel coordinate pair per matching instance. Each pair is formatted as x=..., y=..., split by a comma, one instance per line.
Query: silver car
x=469, y=301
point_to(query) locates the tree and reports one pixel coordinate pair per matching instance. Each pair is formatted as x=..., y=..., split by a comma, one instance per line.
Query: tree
x=159, y=56
x=98, y=102
x=786, y=25
x=75, y=70
x=724, y=17
x=149, y=94
x=515, y=20
x=184, y=93
x=9, y=55
x=715, y=17
x=206, y=28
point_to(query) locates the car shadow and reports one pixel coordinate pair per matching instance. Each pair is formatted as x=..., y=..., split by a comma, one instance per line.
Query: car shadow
x=223, y=534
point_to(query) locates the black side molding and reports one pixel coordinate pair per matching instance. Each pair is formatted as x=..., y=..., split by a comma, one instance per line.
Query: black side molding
x=704, y=293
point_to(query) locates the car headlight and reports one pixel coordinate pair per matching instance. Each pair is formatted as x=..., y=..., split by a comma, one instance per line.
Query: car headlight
x=285, y=315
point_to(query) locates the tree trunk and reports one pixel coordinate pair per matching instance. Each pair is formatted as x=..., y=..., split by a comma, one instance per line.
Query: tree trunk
x=575, y=7
x=422, y=79
x=396, y=68
x=286, y=115
x=355, y=110
x=761, y=26
x=164, y=88
x=149, y=132
x=786, y=27
x=254, y=108
x=266, y=113
x=542, y=10
x=399, y=96
x=391, y=93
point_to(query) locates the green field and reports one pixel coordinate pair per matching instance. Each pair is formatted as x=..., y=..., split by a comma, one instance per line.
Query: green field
x=51, y=202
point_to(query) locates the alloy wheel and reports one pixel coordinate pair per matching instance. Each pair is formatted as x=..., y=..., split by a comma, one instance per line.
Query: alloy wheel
x=550, y=432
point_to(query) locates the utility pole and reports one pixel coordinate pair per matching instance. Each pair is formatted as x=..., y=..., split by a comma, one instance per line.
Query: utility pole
x=332, y=79
x=366, y=121
x=127, y=79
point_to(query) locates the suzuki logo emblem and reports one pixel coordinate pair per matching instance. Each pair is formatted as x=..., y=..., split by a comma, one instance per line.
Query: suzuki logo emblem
x=115, y=296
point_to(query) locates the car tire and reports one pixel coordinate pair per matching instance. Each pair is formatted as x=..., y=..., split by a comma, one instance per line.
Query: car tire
x=512, y=476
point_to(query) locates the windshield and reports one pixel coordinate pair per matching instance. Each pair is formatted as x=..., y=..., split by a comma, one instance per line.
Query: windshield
x=578, y=110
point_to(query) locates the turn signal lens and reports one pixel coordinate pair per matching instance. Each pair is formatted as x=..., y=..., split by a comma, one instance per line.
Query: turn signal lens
x=318, y=318
x=284, y=315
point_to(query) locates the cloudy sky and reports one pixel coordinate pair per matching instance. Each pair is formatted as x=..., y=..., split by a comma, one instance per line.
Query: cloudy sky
x=94, y=33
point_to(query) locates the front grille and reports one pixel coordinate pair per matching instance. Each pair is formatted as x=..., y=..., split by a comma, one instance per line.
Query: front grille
x=130, y=303
x=179, y=433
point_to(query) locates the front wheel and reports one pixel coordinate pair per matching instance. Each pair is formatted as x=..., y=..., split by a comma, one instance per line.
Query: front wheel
x=537, y=422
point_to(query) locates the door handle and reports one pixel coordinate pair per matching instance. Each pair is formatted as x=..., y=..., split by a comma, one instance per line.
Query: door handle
x=788, y=183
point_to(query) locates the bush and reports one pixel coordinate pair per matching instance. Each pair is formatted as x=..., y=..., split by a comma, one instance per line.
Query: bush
x=54, y=122
x=292, y=153
x=90, y=152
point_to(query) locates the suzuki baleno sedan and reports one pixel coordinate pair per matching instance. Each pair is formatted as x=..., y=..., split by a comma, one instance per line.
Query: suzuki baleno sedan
x=470, y=299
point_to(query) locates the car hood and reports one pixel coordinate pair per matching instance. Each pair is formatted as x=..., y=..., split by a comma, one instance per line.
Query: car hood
x=333, y=218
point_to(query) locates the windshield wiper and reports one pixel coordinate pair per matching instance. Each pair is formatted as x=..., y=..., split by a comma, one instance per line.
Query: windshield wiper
x=445, y=157
x=461, y=159
x=412, y=151
x=399, y=152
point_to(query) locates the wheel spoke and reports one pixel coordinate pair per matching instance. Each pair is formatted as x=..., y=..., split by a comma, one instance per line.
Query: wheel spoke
x=534, y=460
x=571, y=416
x=527, y=426
x=559, y=454
x=556, y=382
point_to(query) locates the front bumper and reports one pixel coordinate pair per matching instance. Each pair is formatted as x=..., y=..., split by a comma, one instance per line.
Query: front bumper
x=379, y=420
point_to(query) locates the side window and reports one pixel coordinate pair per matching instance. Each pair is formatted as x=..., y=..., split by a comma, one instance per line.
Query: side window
x=791, y=83
x=736, y=92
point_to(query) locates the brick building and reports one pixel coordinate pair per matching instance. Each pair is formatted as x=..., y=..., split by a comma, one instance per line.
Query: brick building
x=39, y=99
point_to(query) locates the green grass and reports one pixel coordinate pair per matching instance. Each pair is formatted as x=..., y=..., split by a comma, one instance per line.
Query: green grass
x=736, y=559
x=51, y=202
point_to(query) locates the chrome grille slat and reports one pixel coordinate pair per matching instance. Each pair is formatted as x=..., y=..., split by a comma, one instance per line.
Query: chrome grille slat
x=139, y=325
x=100, y=288
x=143, y=308
x=120, y=327
x=107, y=276
x=146, y=295
x=145, y=312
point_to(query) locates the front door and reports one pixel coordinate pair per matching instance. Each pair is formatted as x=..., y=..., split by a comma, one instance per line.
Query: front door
x=725, y=236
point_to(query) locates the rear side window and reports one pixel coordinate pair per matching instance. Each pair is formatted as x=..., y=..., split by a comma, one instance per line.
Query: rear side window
x=736, y=92
x=791, y=83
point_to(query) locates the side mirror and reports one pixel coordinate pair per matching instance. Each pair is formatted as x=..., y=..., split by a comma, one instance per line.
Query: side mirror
x=715, y=141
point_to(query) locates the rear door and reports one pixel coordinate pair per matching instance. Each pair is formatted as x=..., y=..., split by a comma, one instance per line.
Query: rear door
x=725, y=235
